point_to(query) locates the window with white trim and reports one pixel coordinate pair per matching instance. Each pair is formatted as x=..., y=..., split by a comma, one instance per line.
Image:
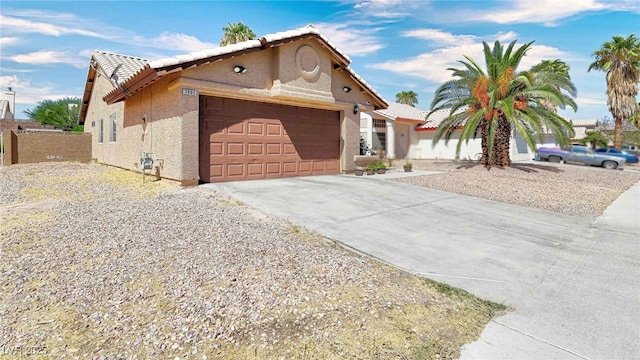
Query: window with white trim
x=112, y=122
x=100, y=131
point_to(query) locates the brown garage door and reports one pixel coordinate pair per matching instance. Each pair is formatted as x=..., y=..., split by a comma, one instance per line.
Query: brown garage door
x=245, y=140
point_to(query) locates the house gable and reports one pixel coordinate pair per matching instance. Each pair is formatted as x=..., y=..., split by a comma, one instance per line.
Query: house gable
x=292, y=61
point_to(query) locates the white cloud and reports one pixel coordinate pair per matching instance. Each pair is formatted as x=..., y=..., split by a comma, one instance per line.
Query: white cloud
x=591, y=99
x=30, y=93
x=451, y=48
x=353, y=41
x=60, y=24
x=387, y=9
x=547, y=12
x=8, y=41
x=17, y=25
x=174, y=41
x=8, y=80
x=49, y=57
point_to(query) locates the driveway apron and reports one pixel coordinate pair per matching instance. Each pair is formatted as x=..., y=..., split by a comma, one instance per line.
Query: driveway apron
x=573, y=283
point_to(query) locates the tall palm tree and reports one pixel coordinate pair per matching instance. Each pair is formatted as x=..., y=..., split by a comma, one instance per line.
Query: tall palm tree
x=407, y=97
x=492, y=102
x=235, y=33
x=555, y=66
x=620, y=58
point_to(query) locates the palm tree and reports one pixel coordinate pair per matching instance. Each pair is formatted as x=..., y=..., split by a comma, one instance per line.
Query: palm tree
x=407, y=97
x=620, y=58
x=595, y=138
x=555, y=66
x=492, y=103
x=235, y=33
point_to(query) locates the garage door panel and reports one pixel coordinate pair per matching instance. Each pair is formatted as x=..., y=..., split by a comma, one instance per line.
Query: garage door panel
x=255, y=149
x=255, y=169
x=235, y=170
x=217, y=171
x=235, y=149
x=289, y=149
x=242, y=140
x=235, y=129
x=274, y=129
x=332, y=165
x=289, y=168
x=274, y=168
x=255, y=128
x=274, y=149
x=215, y=148
x=318, y=166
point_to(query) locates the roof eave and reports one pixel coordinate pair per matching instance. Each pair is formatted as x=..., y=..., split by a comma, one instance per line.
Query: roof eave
x=86, y=96
x=143, y=78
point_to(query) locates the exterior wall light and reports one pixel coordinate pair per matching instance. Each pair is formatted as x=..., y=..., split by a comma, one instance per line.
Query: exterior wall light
x=239, y=69
x=346, y=89
x=356, y=109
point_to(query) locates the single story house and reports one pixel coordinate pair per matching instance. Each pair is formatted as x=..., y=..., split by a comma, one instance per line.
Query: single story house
x=413, y=137
x=391, y=129
x=286, y=104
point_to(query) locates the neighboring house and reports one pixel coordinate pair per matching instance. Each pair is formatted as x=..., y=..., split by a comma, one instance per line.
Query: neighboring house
x=417, y=141
x=8, y=119
x=391, y=129
x=582, y=126
x=8, y=105
x=286, y=104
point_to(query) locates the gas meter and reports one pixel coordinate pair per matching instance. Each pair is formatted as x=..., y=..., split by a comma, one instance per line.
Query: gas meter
x=146, y=162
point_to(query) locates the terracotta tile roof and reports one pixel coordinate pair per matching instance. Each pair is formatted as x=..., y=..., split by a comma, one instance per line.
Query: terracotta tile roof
x=402, y=112
x=109, y=61
x=434, y=120
x=204, y=54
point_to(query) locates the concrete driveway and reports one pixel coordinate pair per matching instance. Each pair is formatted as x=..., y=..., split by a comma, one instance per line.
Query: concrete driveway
x=573, y=283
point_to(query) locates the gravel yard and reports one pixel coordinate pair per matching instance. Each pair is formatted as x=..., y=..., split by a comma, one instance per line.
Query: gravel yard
x=568, y=189
x=94, y=264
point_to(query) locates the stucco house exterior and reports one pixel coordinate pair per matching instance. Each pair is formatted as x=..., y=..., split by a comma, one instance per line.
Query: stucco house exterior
x=413, y=138
x=391, y=129
x=286, y=104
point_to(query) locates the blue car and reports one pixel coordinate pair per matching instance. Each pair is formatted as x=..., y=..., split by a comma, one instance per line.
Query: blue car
x=631, y=158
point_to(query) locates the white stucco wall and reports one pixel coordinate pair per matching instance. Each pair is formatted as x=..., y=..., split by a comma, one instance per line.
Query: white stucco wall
x=422, y=147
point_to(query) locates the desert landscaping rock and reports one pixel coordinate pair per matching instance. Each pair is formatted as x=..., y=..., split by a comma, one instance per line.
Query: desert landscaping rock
x=567, y=189
x=95, y=264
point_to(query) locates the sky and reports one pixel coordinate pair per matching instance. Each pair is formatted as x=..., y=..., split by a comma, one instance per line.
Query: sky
x=395, y=45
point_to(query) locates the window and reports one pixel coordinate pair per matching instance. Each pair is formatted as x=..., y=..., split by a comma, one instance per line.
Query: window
x=377, y=123
x=112, y=122
x=379, y=141
x=100, y=129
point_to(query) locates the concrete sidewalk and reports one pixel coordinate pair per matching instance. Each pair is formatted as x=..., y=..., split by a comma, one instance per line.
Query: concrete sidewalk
x=573, y=282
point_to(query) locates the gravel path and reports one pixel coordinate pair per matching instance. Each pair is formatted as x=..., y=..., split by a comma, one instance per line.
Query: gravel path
x=96, y=265
x=567, y=189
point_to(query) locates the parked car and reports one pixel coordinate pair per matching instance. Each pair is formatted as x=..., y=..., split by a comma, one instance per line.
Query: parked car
x=581, y=155
x=630, y=158
x=631, y=149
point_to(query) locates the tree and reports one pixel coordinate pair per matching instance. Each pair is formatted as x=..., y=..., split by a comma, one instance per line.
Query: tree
x=492, y=103
x=555, y=66
x=620, y=58
x=595, y=138
x=61, y=114
x=235, y=33
x=407, y=97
